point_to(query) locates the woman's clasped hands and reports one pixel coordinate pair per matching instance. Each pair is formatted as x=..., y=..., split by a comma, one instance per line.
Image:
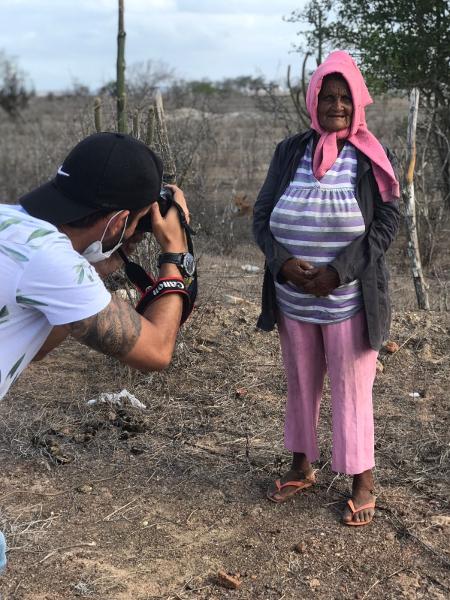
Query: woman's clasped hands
x=318, y=281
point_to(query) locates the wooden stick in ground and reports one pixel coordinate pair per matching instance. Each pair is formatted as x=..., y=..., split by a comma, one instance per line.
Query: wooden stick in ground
x=150, y=127
x=170, y=171
x=410, y=207
x=137, y=124
x=98, y=114
x=120, y=82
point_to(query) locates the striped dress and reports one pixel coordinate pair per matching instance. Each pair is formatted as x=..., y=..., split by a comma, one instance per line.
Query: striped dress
x=314, y=220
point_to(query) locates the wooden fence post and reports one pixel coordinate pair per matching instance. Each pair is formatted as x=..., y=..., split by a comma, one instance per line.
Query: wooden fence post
x=150, y=127
x=170, y=170
x=98, y=115
x=410, y=206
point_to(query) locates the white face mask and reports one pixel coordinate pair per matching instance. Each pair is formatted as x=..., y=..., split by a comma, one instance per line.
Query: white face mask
x=94, y=252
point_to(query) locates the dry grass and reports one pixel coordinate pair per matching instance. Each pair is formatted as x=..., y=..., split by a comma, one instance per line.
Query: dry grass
x=120, y=504
x=114, y=503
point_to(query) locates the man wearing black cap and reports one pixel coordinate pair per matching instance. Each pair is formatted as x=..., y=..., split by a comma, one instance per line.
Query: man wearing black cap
x=50, y=290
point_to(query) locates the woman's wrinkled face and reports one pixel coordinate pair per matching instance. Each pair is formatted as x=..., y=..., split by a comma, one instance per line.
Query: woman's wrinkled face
x=335, y=106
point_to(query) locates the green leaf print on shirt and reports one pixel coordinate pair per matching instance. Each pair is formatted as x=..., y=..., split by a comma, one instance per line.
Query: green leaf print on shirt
x=15, y=366
x=83, y=271
x=37, y=233
x=4, y=313
x=29, y=301
x=13, y=254
x=8, y=222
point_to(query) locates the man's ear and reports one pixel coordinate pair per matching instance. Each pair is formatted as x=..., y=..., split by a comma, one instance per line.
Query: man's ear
x=118, y=222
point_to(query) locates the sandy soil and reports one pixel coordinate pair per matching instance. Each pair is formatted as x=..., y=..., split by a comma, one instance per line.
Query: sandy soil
x=121, y=503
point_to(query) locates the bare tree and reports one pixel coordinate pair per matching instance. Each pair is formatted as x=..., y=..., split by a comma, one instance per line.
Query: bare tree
x=318, y=34
x=144, y=77
x=315, y=16
x=14, y=92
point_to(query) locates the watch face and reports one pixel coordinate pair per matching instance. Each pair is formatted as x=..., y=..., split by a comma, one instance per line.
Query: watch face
x=189, y=264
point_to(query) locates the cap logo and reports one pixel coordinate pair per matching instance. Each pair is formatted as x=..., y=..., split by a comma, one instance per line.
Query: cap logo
x=61, y=172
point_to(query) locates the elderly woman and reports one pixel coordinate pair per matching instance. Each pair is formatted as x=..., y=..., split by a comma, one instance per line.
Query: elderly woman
x=324, y=218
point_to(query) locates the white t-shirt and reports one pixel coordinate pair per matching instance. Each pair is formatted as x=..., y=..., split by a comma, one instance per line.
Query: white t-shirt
x=43, y=282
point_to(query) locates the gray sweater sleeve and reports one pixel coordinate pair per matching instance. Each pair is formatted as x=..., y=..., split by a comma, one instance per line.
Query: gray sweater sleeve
x=275, y=253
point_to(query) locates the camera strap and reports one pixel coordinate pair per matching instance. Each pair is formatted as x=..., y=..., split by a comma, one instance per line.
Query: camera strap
x=166, y=285
x=144, y=281
x=136, y=274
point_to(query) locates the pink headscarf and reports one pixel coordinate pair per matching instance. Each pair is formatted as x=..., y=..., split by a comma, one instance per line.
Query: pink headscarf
x=357, y=134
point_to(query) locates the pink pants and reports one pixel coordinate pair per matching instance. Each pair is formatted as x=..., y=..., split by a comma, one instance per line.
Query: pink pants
x=342, y=349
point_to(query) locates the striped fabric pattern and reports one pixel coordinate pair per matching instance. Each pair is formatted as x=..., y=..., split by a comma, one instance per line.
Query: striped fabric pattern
x=315, y=219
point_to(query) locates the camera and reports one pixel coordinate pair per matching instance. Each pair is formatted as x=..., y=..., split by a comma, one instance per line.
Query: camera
x=165, y=201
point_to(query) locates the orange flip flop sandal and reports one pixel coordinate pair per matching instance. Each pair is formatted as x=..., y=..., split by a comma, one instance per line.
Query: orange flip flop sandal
x=297, y=485
x=356, y=511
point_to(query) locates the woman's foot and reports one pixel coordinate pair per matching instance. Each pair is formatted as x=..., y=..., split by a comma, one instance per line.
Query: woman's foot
x=301, y=474
x=362, y=494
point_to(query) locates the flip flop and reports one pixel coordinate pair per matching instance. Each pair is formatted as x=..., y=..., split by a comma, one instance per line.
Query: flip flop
x=356, y=511
x=297, y=485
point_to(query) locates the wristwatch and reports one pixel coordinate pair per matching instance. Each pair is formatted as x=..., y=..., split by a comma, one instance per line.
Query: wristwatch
x=184, y=261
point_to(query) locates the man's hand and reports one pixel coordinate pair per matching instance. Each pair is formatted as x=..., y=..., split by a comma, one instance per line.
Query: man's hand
x=114, y=262
x=297, y=271
x=167, y=230
x=322, y=282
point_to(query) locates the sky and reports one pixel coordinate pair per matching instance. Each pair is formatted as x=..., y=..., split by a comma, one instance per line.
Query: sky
x=60, y=42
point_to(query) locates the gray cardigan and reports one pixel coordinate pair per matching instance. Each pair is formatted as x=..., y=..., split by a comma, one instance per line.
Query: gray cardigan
x=362, y=259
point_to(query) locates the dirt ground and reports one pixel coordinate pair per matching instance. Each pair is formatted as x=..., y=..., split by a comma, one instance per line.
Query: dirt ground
x=131, y=504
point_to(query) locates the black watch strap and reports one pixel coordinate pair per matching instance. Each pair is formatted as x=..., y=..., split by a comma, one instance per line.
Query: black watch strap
x=175, y=258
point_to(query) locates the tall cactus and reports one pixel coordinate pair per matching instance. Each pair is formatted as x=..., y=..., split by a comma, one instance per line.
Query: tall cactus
x=120, y=82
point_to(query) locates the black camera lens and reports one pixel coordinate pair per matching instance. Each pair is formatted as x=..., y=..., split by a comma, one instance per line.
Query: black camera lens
x=165, y=200
x=145, y=224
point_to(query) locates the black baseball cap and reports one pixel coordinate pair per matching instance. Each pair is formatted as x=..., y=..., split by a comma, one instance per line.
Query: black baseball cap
x=104, y=171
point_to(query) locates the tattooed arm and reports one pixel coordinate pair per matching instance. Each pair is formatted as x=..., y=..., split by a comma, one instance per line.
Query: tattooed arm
x=119, y=331
x=145, y=343
x=57, y=335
